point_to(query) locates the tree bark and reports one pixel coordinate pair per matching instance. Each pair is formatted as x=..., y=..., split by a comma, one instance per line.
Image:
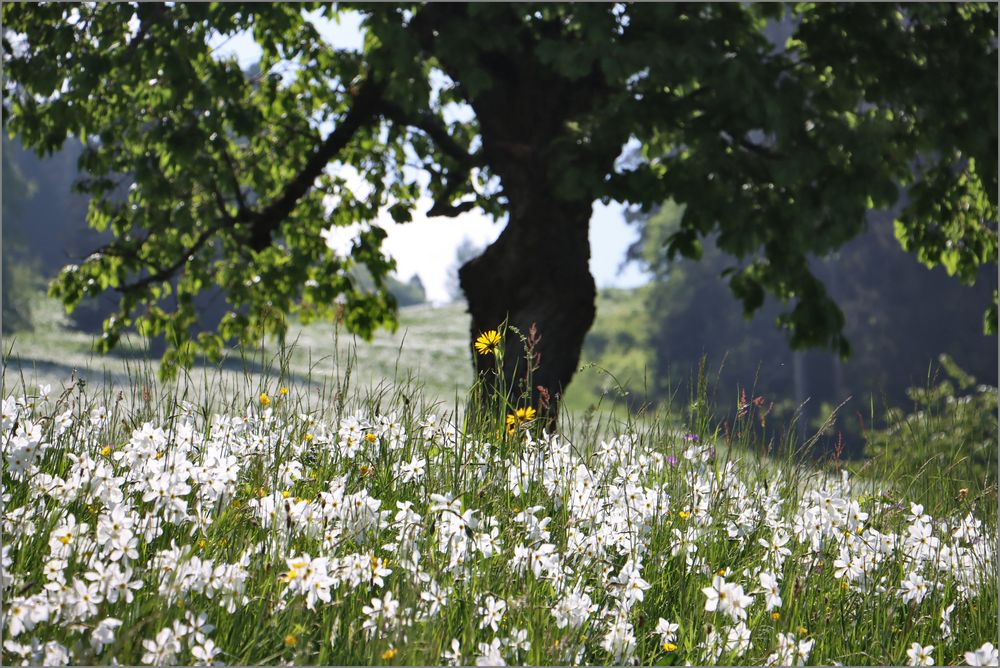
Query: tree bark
x=535, y=274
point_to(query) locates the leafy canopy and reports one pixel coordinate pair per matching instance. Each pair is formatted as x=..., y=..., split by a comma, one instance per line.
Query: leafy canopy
x=778, y=142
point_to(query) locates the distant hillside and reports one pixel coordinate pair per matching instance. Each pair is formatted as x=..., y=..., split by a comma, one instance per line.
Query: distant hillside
x=432, y=344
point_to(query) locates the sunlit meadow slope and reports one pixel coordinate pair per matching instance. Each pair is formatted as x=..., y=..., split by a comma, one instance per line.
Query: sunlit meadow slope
x=267, y=519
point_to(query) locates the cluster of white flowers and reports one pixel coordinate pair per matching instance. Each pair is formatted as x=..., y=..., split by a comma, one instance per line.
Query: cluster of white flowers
x=129, y=518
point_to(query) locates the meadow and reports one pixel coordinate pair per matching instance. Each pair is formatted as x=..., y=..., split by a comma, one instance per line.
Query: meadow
x=283, y=510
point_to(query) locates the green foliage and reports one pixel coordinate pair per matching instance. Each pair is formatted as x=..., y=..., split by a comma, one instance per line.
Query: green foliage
x=952, y=431
x=616, y=353
x=899, y=315
x=775, y=150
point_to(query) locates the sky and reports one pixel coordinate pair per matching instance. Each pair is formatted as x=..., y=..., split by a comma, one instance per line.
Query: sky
x=426, y=246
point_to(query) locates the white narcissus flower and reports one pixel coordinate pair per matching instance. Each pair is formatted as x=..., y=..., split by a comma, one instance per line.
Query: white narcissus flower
x=666, y=630
x=453, y=656
x=205, y=653
x=914, y=588
x=518, y=641
x=920, y=655
x=381, y=610
x=772, y=592
x=738, y=639
x=727, y=597
x=492, y=612
x=104, y=633
x=489, y=654
x=162, y=650
x=984, y=656
x=84, y=599
x=946, y=630
x=199, y=625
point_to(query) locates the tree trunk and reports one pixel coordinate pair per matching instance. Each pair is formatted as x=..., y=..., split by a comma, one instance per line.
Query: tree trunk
x=536, y=274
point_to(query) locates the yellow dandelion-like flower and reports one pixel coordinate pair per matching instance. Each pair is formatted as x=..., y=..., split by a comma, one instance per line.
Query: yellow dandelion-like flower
x=308, y=438
x=290, y=640
x=802, y=630
x=775, y=615
x=487, y=342
x=669, y=647
x=684, y=514
x=283, y=391
x=389, y=654
x=106, y=450
x=264, y=399
x=519, y=417
x=371, y=438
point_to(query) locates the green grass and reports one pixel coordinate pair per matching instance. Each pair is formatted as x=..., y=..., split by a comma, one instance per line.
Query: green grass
x=623, y=488
x=431, y=347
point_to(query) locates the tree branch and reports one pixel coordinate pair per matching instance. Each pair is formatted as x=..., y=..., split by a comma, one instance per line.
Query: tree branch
x=434, y=129
x=167, y=272
x=264, y=222
x=240, y=202
x=364, y=110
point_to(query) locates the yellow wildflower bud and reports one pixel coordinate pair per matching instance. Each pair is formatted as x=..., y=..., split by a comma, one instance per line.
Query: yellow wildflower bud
x=669, y=647
x=371, y=438
x=265, y=401
x=684, y=514
x=106, y=450
x=308, y=438
x=285, y=494
x=283, y=391
x=290, y=640
x=389, y=654
x=775, y=615
x=802, y=630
